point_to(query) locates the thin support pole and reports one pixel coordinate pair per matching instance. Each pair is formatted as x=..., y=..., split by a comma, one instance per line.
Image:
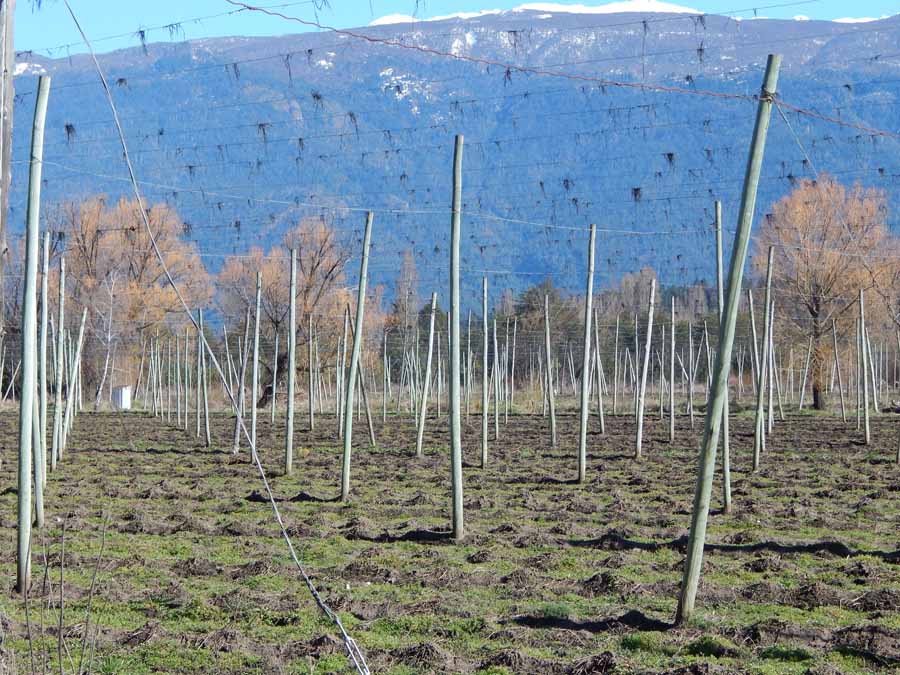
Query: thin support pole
x=254, y=380
x=586, y=360
x=423, y=408
x=644, y=370
x=292, y=370
x=759, y=437
x=551, y=397
x=354, y=360
x=484, y=372
x=720, y=288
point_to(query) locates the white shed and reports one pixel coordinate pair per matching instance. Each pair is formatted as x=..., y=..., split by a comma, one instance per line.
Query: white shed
x=121, y=397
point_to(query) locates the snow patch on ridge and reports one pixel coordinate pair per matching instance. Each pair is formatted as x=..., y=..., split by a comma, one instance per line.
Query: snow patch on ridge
x=649, y=6
x=642, y=6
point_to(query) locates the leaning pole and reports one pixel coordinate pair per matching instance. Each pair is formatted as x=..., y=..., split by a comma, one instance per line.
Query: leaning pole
x=707, y=459
x=354, y=360
x=29, y=353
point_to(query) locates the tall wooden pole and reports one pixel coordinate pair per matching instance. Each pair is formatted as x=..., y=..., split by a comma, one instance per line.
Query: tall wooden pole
x=242, y=380
x=707, y=459
x=55, y=451
x=586, y=360
x=720, y=287
x=423, y=408
x=311, y=375
x=198, y=371
x=837, y=366
x=29, y=337
x=644, y=370
x=274, y=378
x=672, y=378
x=385, y=377
x=42, y=363
x=497, y=377
x=805, y=372
x=456, y=478
x=354, y=360
x=551, y=397
x=202, y=381
x=7, y=69
x=616, y=369
x=254, y=380
x=484, y=372
x=598, y=366
x=864, y=364
x=759, y=436
x=292, y=370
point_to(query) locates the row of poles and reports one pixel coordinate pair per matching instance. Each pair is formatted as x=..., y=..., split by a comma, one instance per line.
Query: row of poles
x=729, y=296
x=35, y=458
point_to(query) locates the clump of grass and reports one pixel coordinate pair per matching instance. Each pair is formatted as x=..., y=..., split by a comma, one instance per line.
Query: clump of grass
x=554, y=610
x=786, y=653
x=716, y=647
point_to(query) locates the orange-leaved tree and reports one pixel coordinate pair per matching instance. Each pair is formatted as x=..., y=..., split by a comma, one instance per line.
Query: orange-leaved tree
x=112, y=269
x=830, y=241
x=321, y=290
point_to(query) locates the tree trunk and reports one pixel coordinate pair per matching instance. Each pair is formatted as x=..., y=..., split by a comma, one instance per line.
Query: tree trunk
x=819, y=368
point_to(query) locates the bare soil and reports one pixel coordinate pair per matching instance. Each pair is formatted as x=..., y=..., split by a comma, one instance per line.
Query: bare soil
x=803, y=576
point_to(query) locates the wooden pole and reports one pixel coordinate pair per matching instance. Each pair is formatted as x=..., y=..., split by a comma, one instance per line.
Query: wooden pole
x=456, y=477
x=586, y=359
x=292, y=370
x=28, y=339
x=707, y=459
x=484, y=372
x=551, y=397
x=42, y=352
x=720, y=288
x=274, y=379
x=691, y=372
x=254, y=380
x=497, y=377
x=423, y=408
x=646, y=367
x=837, y=366
x=616, y=369
x=805, y=372
x=863, y=376
x=754, y=361
x=341, y=389
x=672, y=377
x=354, y=359
x=759, y=437
x=187, y=377
x=310, y=377
x=203, y=382
x=512, y=367
x=7, y=97
x=598, y=363
x=242, y=380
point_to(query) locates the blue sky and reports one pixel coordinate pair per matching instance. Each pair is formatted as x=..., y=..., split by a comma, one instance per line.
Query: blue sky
x=51, y=26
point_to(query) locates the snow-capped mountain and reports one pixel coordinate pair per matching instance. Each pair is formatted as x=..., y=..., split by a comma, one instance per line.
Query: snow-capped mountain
x=634, y=116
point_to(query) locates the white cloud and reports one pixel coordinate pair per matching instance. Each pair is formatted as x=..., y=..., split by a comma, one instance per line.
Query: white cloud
x=801, y=17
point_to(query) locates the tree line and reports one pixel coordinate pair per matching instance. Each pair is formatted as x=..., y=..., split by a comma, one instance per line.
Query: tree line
x=829, y=241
